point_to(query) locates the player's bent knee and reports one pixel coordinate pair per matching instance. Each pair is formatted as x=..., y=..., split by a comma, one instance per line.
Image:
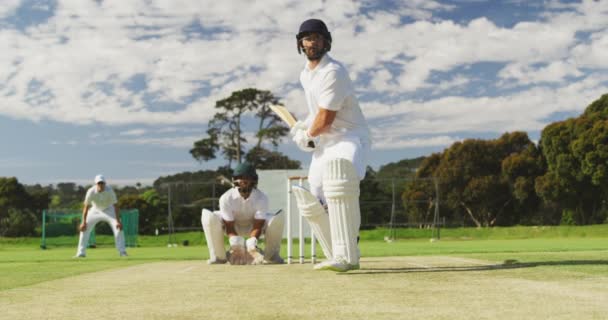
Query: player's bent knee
x=208, y=218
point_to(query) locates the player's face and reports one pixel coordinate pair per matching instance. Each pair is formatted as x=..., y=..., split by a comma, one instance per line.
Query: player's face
x=244, y=185
x=101, y=186
x=313, y=45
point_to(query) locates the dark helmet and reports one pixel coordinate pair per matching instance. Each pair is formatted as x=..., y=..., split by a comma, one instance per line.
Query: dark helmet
x=245, y=169
x=313, y=26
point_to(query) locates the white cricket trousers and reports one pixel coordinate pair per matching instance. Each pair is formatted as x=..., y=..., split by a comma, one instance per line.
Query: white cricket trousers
x=95, y=216
x=352, y=149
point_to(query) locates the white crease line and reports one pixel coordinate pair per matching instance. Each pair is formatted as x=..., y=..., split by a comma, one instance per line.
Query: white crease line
x=187, y=269
x=419, y=265
x=477, y=262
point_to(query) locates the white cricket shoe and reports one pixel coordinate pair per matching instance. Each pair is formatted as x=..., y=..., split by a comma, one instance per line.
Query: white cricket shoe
x=124, y=254
x=338, y=265
x=78, y=256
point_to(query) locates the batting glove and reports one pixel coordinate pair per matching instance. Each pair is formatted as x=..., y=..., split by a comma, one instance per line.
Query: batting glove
x=299, y=133
x=299, y=125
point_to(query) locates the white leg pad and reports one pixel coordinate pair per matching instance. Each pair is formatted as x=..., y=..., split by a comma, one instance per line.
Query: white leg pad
x=214, y=234
x=273, y=234
x=310, y=208
x=341, y=188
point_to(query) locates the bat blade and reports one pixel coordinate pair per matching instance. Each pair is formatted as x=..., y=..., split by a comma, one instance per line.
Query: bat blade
x=284, y=114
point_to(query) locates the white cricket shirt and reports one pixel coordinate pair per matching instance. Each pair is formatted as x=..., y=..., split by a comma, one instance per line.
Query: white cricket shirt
x=100, y=200
x=328, y=86
x=243, y=211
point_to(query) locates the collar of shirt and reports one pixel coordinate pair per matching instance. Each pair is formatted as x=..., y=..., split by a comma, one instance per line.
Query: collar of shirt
x=324, y=60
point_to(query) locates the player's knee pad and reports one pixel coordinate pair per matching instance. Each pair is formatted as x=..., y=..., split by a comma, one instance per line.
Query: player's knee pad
x=275, y=224
x=209, y=219
x=316, y=216
x=341, y=188
x=273, y=234
x=214, y=234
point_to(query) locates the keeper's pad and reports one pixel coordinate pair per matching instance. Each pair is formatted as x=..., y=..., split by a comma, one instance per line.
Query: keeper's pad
x=273, y=234
x=317, y=218
x=341, y=189
x=214, y=234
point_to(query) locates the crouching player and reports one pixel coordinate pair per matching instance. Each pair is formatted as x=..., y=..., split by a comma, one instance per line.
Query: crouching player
x=244, y=218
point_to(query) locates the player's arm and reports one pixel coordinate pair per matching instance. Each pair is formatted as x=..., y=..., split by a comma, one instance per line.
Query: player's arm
x=230, y=230
x=116, y=210
x=257, y=228
x=322, y=122
x=258, y=220
x=117, y=213
x=85, y=212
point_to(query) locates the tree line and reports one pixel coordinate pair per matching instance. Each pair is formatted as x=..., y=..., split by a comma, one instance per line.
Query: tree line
x=510, y=180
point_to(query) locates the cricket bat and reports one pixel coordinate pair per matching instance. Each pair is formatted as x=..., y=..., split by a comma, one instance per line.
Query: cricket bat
x=286, y=116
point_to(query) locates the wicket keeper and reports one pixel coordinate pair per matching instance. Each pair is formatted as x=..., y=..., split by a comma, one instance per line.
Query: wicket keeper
x=244, y=218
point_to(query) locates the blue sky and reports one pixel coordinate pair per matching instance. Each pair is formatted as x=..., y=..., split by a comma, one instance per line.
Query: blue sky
x=125, y=87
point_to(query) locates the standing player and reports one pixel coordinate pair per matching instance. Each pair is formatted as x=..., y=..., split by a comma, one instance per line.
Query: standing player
x=243, y=213
x=338, y=128
x=100, y=205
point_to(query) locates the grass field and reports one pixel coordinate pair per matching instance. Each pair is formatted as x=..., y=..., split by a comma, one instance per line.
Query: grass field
x=552, y=274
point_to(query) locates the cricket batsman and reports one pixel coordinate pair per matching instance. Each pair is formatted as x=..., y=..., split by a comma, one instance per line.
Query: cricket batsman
x=342, y=144
x=244, y=218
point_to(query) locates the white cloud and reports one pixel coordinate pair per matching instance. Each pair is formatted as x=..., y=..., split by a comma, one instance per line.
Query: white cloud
x=65, y=142
x=451, y=85
x=593, y=54
x=556, y=71
x=79, y=66
x=399, y=142
x=528, y=110
x=133, y=132
x=8, y=7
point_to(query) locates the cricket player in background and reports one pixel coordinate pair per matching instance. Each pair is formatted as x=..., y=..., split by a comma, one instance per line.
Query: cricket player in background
x=100, y=205
x=342, y=144
x=243, y=217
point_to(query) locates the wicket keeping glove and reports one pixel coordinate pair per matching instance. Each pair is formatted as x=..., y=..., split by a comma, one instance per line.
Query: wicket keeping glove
x=256, y=255
x=238, y=254
x=251, y=243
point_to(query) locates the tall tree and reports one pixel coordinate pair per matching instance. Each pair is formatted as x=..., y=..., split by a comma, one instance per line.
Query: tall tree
x=12, y=195
x=17, y=217
x=226, y=134
x=576, y=151
x=482, y=180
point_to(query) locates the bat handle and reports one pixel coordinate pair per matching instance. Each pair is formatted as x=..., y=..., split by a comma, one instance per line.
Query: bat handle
x=311, y=144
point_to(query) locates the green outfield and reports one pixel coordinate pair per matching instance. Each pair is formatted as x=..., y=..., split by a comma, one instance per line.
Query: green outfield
x=550, y=273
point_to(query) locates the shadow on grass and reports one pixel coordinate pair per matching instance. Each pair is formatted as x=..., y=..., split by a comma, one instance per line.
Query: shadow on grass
x=508, y=264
